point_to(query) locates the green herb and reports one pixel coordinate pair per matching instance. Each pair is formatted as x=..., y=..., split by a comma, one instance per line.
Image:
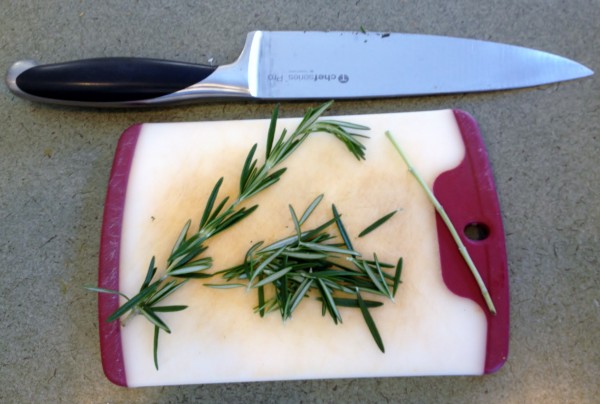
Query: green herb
x=376, y=224
x=397, y=275
x=345, y=302
x=441, y=211
x=340, y=226
x=369, y=320
x=184, y=263
x=311, y=260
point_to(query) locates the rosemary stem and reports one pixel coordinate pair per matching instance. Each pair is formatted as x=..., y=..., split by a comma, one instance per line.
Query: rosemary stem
x=442, y=212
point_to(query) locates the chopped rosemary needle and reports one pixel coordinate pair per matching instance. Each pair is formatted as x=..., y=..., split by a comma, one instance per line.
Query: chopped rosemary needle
x=376, y=224
x=369, y=320
x=311, y=260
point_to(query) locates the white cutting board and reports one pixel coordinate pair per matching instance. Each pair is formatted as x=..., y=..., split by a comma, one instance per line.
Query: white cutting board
x=162, y=176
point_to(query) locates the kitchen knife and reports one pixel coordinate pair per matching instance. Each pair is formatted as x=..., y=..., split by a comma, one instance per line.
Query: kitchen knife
x=299, y=65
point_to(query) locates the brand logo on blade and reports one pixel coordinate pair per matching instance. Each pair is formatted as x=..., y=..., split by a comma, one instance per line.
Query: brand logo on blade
x=308, y=76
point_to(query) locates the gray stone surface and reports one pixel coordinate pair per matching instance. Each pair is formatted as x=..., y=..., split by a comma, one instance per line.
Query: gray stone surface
x=54, y=163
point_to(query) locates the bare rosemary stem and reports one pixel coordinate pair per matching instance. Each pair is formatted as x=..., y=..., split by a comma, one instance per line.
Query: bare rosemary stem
x=441, y=211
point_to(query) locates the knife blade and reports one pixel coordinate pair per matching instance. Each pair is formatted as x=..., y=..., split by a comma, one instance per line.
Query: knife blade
x=299, y=65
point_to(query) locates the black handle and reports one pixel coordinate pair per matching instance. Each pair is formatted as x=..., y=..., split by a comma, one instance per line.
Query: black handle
x=110, y=79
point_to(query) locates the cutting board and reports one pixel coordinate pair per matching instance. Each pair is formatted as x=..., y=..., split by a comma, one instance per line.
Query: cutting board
x=162, y=176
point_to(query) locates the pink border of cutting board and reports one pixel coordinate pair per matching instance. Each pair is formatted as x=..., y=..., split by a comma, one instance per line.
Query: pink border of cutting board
x=110, y=248
x=467, y=193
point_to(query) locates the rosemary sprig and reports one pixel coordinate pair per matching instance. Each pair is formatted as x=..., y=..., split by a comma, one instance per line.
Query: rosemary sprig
x=311, y=260
x=442, y=212
x=183, y=262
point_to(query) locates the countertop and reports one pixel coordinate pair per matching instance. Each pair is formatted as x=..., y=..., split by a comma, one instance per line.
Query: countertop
x=543, y=145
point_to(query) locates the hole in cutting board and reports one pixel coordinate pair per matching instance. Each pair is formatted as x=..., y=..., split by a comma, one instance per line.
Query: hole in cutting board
x=477, y=231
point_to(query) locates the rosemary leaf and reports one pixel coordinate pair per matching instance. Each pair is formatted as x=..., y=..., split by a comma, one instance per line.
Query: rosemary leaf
x=154, y=319
x=299, y=295
x=201, y=264
x=283, y=296
x=210, y=203
x=194, y=275
x=180, y=238
x=247, y=168
x=261, y=300
x=334, y=273
x=248, y=270
x=278, y=274
x=328, y=298
x=328, y=248
x=381, y=276
x=168, y=309
x=305, y=255
x=225, y=285
x=372, y=291
x=149, y=274
x=382, y=265
x=336, y=285
x=397, y=276
x=353, y=303
x=370, y=322
x=233, y=272
x=155, y=346
x=376, y=224
x=288, y=241
x=296, y=222
x=344, y=124
x=271, y=133
x=274, y=177
x=102, y=290
x=310, y=209
x=341, y=229
x=276, y=150
x=312, y=115
x=367, y=269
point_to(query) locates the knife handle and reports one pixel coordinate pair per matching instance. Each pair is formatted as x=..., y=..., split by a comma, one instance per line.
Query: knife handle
x=124, y=82
x=131, y=82
x=110, y=79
